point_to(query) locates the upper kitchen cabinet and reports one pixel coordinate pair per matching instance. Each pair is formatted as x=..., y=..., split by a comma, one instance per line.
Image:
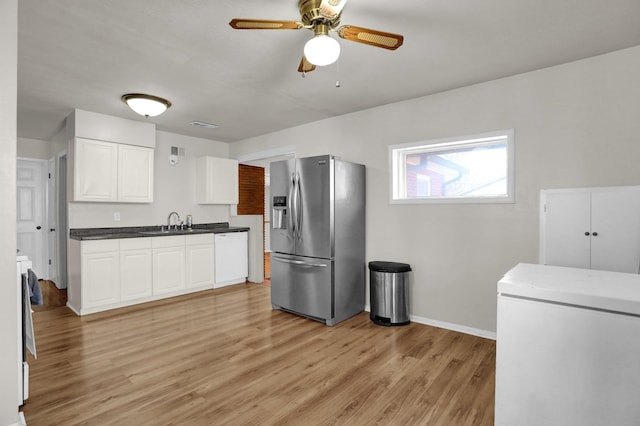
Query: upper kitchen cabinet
x=591, y=228
x=216, y=181
x=111, y=158
x=111, y=172
x=91, y=125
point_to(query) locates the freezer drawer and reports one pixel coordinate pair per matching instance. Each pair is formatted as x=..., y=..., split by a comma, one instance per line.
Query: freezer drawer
x=302, y=285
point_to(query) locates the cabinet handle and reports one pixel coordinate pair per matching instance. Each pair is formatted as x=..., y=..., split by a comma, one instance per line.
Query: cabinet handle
x=586, y=233
x=38, y=227
x=595, y=234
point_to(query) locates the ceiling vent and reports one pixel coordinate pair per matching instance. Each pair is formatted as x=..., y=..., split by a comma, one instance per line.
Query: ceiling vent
x=204, y=124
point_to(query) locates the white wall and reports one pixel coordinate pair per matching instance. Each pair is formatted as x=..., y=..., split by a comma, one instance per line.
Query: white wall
x=8, y=305
x=575, y=125
x=174, y=190
x=39, y=149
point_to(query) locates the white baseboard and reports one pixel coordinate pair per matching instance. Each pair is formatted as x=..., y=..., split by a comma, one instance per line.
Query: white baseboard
x=21, y=420
x=449, y=326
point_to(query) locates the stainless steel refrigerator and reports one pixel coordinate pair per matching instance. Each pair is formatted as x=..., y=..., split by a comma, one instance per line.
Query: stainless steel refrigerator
x=318, y=237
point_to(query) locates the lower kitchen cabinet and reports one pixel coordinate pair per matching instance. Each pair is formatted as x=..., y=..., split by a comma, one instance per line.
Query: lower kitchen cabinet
x=99, y=273
x=135, y=268
x=112, y=273
x=168, y=264
x=199, y=258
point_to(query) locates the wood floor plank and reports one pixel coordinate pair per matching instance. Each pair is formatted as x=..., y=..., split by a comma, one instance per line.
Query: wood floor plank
x=225, y=357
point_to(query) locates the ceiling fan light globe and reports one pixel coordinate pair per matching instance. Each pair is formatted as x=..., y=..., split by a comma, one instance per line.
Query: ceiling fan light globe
x=322, y=50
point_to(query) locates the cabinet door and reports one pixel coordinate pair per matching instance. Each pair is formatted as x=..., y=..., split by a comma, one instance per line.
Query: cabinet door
x=135, y=174
x=615, y=230
x=216, y=181
x=100, y=279
x=95, y=170
x=168, y=269
x=566, y=229
x=200, y=265
x=135, y=274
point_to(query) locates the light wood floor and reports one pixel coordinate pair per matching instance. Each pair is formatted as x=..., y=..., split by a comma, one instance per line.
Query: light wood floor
x=225, y=357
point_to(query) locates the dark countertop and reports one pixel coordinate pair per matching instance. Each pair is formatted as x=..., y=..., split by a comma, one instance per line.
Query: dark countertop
x=84, y=234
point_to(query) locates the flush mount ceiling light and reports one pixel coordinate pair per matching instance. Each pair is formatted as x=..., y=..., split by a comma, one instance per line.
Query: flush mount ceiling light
x=146, y=105
x=322, y=50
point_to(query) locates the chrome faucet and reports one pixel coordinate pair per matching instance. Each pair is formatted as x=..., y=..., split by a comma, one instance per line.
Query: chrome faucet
x=169, y=220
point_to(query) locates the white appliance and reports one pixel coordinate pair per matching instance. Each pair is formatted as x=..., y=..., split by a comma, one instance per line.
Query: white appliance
x=568, y=347
x=231, y=258
x=25, y=333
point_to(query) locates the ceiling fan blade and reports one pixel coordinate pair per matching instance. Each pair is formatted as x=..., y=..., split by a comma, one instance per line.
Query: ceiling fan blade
x=371, y=37
x=305, y=66
x=330, y=9
x=263, y=24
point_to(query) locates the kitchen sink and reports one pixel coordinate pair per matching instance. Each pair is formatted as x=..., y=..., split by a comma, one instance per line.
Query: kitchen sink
x=175, y=232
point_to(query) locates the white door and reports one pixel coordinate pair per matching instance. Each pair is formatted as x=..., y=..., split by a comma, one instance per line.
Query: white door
x=615, y=230
x=31, y=226
x=95, y=170
x=200, y=265
x=135, y=274
x=168, y=269
x=100, y=279
x=135, y=174
x=566, y=229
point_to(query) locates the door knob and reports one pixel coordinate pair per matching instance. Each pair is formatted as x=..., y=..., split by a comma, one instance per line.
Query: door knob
x=38, y=227
x=586, y=233
x=595, y=234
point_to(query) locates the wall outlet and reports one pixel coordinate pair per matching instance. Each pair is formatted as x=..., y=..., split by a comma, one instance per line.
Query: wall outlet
x=116, y=216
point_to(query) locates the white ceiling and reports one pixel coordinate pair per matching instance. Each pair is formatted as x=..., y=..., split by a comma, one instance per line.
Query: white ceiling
x=87, y=53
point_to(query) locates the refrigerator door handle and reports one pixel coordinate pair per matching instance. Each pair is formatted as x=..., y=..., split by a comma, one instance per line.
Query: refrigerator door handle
x=298, y=207
x=300, y=262
x=291, y=227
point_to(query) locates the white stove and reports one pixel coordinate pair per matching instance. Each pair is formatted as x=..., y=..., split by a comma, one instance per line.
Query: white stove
x=25, y=327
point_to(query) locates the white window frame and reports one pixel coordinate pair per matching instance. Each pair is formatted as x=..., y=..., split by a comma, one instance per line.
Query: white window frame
x=397, y=171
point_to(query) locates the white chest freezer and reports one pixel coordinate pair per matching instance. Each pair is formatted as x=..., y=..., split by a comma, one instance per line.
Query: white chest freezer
x=568, y=347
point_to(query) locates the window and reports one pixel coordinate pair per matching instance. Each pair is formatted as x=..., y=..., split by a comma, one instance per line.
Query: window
x=469, y=169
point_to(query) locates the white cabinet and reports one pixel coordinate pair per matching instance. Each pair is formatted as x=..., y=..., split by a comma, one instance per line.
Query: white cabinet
x=135, y=268
x=95, y=170
x=112, y=172
x=199, y=257
x=216, y=181
x=112, y=273
x=168, y=264
x=100, y=273
x=135, y=174
x=591, y=228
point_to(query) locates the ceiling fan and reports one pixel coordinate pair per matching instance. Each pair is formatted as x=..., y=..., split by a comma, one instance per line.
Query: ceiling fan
x=322, y=16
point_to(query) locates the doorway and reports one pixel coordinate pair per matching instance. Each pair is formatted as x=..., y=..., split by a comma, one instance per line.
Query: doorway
x=61, y=227
x=263, y=160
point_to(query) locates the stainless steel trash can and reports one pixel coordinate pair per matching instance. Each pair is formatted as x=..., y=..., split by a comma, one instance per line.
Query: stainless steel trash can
x=389, y=292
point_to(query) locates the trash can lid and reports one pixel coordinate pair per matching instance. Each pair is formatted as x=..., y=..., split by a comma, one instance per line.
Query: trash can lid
x=380, y=266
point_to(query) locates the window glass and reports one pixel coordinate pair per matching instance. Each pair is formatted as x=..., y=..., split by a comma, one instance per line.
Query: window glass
x=476, y=168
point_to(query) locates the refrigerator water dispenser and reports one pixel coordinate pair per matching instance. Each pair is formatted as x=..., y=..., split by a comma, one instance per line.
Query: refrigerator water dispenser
x=279, y=212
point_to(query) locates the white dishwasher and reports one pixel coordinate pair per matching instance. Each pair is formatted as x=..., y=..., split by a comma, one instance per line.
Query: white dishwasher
x=231, y=258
